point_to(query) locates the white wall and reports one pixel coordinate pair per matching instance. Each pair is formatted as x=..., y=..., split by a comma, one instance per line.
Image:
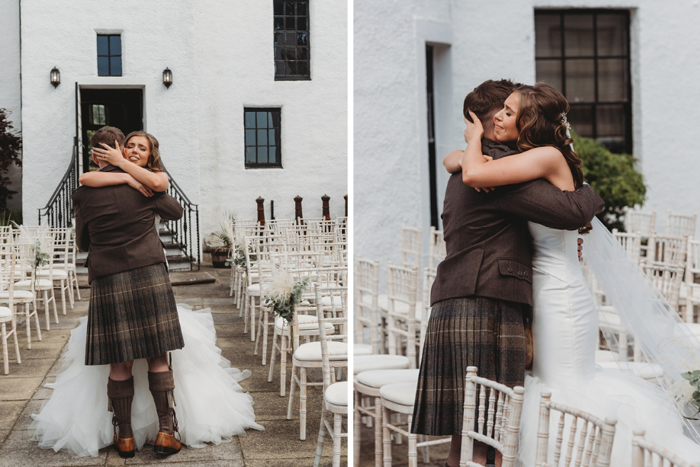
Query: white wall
x=10, y=82
x=493, y=40
x=221, y=56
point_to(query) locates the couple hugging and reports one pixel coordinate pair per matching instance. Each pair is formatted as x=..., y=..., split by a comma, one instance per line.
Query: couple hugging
x=512, y=265
x=119, y=353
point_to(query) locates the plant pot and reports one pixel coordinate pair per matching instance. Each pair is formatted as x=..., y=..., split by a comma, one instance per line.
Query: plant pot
x=219, y=257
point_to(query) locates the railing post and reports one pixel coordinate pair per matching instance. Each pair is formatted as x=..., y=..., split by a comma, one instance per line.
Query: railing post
x=261, y=210
x=326, y=207
x=297, y=209
x=346, y=205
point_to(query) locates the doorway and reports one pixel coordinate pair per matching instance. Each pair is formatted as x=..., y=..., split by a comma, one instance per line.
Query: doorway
x=120, y=108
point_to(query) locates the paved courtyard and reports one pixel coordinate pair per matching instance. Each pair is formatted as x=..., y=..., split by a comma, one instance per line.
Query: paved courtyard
x=22, y=393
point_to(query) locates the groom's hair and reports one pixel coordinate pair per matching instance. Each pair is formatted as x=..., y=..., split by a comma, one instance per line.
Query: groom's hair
x=107, y=135
x=487, y=98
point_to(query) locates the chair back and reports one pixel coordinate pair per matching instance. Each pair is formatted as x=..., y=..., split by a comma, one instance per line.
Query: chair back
x=640, y=222
x=428, y=279
x=667, y=250
x=632, y=243
x=692, y=266
x=402, y=291
x=647, y=454
x=586, y=442
x=494, y=410
x=8, y=261
x=438, y=249
x=338, y=319
x=679, y=225
x=367, y=303
x=667, y=280
x=411, y=246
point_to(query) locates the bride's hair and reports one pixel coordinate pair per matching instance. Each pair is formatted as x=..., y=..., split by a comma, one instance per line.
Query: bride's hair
x=542, y=122
x=154, y=162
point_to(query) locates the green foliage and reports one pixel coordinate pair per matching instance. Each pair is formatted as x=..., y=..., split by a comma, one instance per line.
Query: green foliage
x=11, y=217
x=613, y=177
x=10, y=149
x=693, y=378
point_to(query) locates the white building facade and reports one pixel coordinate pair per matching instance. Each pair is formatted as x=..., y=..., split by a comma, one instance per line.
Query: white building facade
x=223, y=58
x=643, y=73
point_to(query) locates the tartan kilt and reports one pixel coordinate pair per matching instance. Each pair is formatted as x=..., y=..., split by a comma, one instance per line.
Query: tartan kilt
x=473, y=331
x=132, y=315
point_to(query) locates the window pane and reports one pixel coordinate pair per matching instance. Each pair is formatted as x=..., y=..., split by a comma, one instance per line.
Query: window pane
x=303, y=38
x=303, y=68
x=279, y=38
x=116, y=66
x=610, y=121
x=581, y=119
x=303, y=53
x=250, y=138
x=279, y=68
x=578, y=35
x=580, y=82
x=279, y=23
x=290, y=38
x=612, y=34
x=288, y=8
x=250, y=119
x=115, y=45
x=279, y=7
x=301, y=24
x=103, y=66
x=289, y=22
x=262, y=119
x=271, y=138
x=262, y=137
x=98, y=115
x=292, y=68
x=262, y=155
x=102, y=45
x=272, y=155
x=548, y=36
x=549, y=71
x=302, y=8
x=250, y=155
x=612, y=80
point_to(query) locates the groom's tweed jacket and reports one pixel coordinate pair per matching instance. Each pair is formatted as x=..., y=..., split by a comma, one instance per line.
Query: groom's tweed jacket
x=487, y=238
x=116, y=224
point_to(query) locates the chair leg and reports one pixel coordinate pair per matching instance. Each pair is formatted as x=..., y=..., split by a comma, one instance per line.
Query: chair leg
x=55, y=308
x=71, y=298
x=266, y=317
x=28, y=322
x=377, y=432
x=63, y=299
x=46, y=310
x=302, y=403
x=244, y=308
x=357, y=419
x=386, y=437
x=36, y=320
x=77, y=286
x=321, y=437
x=6, y=358
x=292, y=380
x=272, y=357
x=252, y=318
x=412, y=449
x=14, y=335
x=283, y=363
x=337, y=430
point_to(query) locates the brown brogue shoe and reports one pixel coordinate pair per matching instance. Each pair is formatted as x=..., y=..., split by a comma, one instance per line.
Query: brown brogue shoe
x=124, y=446
x=166, y=444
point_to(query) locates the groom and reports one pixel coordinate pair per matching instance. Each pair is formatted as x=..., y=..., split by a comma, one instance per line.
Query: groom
x=483, y=290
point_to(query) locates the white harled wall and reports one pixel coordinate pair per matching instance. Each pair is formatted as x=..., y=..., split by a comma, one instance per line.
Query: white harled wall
x=482, y=40
x=221, y=56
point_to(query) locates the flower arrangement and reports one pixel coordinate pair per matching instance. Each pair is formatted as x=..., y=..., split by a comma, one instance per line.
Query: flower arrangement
x=689, y=393
x=40, y=259
x=282, y=294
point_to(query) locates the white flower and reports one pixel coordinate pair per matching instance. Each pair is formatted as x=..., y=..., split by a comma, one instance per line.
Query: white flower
x=280, y=287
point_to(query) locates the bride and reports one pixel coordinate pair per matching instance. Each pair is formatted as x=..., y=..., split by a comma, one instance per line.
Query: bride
x=565, y=324
x=127, y=367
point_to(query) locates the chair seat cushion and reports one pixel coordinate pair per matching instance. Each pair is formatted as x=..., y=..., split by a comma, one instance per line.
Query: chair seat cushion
x=337, y=393
x=379, y=362
x=649, y=371
x=379, y=378
x=253, y=289
x=5, y=313
x=362, y=349
x=18, y=295
x=311, y=351
x=335, y=301
x=306, y=323
x=58, y=274
x=400, y=393
x=399, y=307
x=41, y=284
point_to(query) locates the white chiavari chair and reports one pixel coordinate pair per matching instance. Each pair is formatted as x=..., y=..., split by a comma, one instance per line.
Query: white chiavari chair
x=438, y=249
x=647, y=454
x=367, y=308
x=680, y=225
x=309, y=355
x=580, y=436
x=8, y=260
x=57, y=269
x=667, y=250
x=25, y=252
x=496, y=426
x=632, y=244
x=411, y=246
x=402, y=291
x=335, y=393
x=642, y=223
x=41, y=283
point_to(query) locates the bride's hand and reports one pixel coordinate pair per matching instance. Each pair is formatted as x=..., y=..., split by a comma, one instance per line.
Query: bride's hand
x=138, y=186
x=474, y=130
x=109, y=154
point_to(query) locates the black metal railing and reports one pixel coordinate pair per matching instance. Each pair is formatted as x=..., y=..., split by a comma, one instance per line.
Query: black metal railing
x=58, y=212
x=185, y=231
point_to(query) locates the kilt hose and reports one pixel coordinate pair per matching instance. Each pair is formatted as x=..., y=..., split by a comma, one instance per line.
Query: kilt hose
x=473, y=331
x=132, y=315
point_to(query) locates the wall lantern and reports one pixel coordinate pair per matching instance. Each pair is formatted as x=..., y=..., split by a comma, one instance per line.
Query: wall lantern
x=55, y=77
x=167, y=77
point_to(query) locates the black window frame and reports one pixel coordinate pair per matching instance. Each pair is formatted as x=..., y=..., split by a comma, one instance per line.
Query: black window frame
x=291, y=43
x=278, y=138
x=596, y=57
x=110, y=55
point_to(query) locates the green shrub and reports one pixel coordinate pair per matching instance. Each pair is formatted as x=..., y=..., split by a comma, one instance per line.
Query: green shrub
x=10, y=153
x=613, y=177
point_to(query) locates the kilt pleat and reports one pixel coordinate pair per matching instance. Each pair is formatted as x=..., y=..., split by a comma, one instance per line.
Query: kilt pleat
x=474, y=331
x=132, y=315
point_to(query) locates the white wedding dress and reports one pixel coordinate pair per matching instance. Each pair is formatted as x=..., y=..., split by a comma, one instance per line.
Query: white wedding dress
x=565, y=328
x=211, y=406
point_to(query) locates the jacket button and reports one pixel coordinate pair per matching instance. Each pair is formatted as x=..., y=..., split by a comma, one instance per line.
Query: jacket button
x=520, y=273
x=510, y=269
x=525, y=273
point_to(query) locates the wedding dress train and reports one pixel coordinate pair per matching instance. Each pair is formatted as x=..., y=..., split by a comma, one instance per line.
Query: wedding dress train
x=565, y=329
x=211, y=406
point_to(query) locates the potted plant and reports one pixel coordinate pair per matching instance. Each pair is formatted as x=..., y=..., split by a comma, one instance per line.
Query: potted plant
x=222, y=252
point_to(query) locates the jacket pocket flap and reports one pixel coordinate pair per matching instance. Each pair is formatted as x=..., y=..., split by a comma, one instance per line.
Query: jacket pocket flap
x=512, y=267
